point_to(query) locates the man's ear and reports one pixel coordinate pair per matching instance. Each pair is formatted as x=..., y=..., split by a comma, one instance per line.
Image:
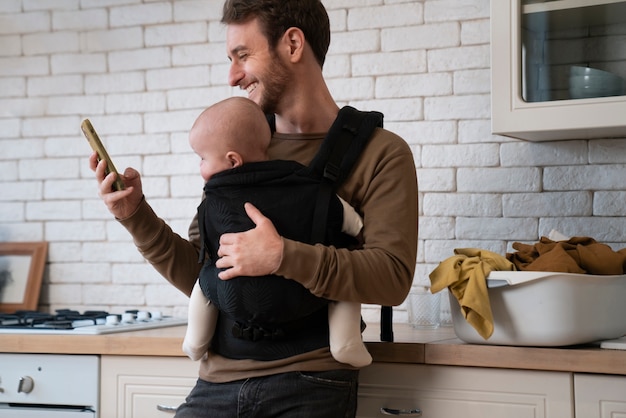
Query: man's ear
x=294, y=41
x=234, y=158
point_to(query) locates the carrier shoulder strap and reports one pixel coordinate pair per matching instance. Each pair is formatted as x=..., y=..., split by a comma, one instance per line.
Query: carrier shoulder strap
x=334, y=161
x=341, y=148
x=338, y=153
x=344, y=142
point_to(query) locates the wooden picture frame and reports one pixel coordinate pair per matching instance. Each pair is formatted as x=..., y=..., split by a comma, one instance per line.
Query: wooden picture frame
x=21, y=272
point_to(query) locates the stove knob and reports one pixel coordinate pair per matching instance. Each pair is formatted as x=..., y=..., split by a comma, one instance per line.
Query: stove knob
x=112, y=320
x=156, y=315
x=143, y=316
x=128, y=317
x=26, y=385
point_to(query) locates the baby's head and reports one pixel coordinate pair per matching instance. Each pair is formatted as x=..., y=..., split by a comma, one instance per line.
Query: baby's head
x=228, y=134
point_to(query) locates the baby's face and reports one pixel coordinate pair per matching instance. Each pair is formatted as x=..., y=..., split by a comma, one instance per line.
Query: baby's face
x=212, y=159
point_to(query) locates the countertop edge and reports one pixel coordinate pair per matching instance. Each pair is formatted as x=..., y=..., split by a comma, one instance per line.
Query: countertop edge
x=582, y=359
x=435, y=347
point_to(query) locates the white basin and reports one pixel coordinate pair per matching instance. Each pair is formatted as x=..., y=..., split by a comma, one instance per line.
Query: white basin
x=548, y=309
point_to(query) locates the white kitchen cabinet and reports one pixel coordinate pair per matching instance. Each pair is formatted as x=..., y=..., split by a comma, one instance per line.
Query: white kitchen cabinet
x=135, y=387
x=469, y=392
x=534, y=44
x=600, y=396
x=139, y=387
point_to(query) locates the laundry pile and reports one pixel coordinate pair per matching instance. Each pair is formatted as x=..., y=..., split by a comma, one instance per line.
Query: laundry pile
x=464, y=274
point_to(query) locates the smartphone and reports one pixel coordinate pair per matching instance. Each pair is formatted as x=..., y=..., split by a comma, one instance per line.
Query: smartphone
x=96, y=145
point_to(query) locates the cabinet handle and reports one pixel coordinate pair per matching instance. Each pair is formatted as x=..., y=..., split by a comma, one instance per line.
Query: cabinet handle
x=401, y=412
x=166, y=408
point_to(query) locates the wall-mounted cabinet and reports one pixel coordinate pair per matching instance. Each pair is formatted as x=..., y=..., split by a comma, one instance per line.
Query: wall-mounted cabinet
x=558, y=69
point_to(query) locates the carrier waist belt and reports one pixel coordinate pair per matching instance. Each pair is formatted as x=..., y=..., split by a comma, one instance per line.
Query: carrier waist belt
x=238, y=340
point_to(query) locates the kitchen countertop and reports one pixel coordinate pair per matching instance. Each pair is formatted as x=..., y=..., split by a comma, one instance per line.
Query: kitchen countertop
x=438, y=347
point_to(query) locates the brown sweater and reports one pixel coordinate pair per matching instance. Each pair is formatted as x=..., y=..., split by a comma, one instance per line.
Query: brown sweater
x=382, y=188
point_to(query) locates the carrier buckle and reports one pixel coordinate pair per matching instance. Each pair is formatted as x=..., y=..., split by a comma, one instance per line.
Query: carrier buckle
x=251, y=332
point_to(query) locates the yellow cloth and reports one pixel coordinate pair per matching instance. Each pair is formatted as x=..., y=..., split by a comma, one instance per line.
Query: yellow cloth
x=464, y=275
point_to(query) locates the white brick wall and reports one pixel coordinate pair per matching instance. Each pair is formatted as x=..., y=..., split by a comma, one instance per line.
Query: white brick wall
x=142, y=71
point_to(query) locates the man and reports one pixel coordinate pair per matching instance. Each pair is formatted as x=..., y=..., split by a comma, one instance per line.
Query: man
x=277, y=49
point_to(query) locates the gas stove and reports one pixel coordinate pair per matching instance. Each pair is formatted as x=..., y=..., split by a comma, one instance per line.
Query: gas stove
x=66, y=321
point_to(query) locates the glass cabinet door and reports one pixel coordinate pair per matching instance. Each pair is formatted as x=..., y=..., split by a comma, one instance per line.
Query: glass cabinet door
x=558, y=69
x=573, y=49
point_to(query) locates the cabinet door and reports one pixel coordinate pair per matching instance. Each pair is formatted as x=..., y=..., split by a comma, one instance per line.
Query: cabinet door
x=138, y=387
x=600, y=396
x=533, y=99
x=446, y=391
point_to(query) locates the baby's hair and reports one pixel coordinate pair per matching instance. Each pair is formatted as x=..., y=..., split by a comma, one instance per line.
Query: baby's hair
x=253, y=130
x=241, y=125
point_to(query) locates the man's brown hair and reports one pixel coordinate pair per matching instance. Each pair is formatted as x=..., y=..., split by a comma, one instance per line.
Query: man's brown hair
x=276, y=16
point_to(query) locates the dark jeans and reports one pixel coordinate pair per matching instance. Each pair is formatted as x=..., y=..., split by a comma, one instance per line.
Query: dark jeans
x=331, y=394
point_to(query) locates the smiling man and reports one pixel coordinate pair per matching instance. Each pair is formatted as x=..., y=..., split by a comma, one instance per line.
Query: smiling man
x=277, y=49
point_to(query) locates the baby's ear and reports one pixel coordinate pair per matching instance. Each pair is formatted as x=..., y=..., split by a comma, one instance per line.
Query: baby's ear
x=234, y=158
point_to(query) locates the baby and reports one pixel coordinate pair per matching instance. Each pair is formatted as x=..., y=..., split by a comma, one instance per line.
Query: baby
x=226, y=136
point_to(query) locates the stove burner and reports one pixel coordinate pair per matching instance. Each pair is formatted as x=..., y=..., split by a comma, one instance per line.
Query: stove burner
x=70, y=315
x=56, y=325
x=88, y=322
x=24, y=318
x=63, y=319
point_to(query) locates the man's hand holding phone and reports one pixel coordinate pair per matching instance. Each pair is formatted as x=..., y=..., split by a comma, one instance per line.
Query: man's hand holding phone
x=98, y=147
x=122, y=194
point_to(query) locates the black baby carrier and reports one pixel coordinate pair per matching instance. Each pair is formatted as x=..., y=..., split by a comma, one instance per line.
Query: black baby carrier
x=270, y=317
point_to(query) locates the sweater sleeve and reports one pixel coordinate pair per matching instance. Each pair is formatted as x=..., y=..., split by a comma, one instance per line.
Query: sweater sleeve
x=174, y=257
x=383, y=188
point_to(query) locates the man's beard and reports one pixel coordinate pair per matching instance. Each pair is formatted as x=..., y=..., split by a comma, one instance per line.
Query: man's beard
x=276, y=82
